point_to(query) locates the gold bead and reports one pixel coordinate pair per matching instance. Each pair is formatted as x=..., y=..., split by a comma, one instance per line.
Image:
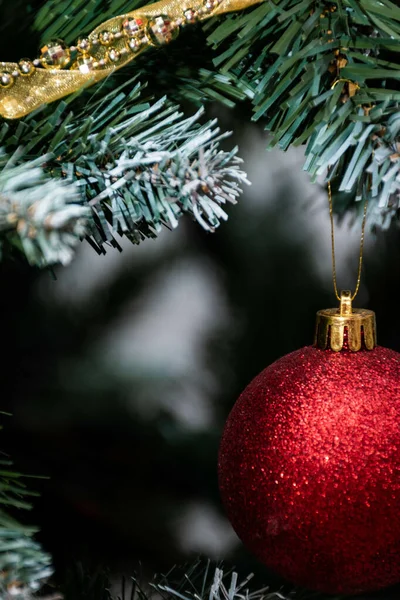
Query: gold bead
x=85, y=64
x=190, y=15
x=26, y=67
x=132, y=27
x=6, y=80
x=106, y=38
x=84, y=45
x=134, y=44
x=161, y=30
x=55, y=55
x=209, y=5
x=113, y=55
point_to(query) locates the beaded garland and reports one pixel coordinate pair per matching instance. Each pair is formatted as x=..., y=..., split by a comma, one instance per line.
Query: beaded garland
x=61, y=70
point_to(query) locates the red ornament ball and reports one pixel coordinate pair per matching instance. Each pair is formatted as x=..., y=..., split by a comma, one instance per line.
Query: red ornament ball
x=309, y=468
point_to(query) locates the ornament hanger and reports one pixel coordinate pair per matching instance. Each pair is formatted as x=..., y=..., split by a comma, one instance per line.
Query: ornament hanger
x=336, y=327
x=360, y=259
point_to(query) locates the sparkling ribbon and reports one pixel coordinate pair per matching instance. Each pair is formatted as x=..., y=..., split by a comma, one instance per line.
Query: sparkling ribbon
x=26, y=85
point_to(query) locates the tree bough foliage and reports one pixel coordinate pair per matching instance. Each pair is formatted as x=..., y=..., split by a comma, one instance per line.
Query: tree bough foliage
x=325, y=74
x=320, y=74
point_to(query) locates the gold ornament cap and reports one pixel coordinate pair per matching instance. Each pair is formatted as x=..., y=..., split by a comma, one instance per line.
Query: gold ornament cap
x=334, y=323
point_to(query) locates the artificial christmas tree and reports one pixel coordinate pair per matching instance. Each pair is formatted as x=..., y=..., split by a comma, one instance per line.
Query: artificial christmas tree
x=305, y=66
x=119, y=158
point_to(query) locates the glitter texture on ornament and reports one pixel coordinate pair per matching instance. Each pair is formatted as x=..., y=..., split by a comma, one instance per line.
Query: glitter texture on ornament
x=309, y=468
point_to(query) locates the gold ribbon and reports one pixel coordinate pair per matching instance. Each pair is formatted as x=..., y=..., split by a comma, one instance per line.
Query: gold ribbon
x=160, y=23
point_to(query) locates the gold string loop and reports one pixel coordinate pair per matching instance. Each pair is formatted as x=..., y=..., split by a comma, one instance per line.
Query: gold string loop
x=360, y=258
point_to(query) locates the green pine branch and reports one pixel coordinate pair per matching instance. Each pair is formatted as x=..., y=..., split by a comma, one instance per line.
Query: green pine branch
x=24, y=566
x=112, y=162
x=83, y=17
x=200, y=580
x=325, y=75
x=39, y=216
x=118, y=165
x=321, y=74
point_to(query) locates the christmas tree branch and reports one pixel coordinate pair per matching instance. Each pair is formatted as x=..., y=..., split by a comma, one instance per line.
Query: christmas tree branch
x=83, y=17
x=38, y=216
x=325, y=75
x=198, y=581
x=117, y=165
x=23, y=565
x=206, y=583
